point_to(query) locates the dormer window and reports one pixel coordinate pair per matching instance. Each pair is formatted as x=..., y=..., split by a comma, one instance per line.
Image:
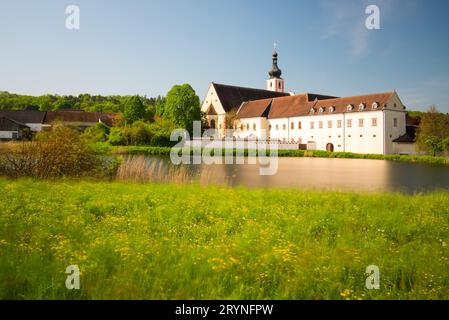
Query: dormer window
x=361, y=106
x=321, y=110
x=375, y=105
x=350, y=107
x=312, y=110
x=332, y=109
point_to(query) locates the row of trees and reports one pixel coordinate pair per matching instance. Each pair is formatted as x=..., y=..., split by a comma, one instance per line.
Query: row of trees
x=86, y=102
x=139, y=120
x=142, y=124
x=180, y=107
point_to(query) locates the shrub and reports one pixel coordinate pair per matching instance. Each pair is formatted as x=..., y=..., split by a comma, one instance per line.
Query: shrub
x=96, y=133
x=56, y=153
x=116, y=136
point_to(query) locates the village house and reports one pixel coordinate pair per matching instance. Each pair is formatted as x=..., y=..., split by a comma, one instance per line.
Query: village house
x=14, y=123
x=371, y=123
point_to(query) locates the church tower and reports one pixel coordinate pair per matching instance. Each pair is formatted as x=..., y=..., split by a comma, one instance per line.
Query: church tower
x=275, y=83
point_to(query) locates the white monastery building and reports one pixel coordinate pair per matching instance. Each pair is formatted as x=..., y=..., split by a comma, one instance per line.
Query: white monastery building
x=372, y=123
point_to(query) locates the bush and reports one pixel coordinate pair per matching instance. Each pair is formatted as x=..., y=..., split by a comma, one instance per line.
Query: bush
x=57, y=153
x=142, y=133
x=116, y=137
x=96, y=133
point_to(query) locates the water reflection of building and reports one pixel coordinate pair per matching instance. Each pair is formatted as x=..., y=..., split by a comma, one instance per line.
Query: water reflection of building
x=372, y=123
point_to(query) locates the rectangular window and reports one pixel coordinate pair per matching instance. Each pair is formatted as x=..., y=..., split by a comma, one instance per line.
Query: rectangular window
x=254, y=127
x=292, y=125
x=284, y=127
x=360, y=122
x=269, y=127
x=338, y=123
x=349, y=123
x=329, y=124
x=395, y=122
x=374, y=122
x=299, y=124
x=312, y=125
x=277, y=127
x=320, y=124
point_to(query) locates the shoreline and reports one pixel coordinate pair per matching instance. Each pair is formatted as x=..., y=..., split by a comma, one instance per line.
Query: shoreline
x=165, y=151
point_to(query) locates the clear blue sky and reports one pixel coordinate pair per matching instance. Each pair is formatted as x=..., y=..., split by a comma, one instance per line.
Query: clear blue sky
x=145, y=47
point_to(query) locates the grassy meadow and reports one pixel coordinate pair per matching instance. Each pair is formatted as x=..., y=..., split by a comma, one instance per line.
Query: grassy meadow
x=166, y=241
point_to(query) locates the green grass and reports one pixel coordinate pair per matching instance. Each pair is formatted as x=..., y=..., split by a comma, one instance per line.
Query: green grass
x=163, y=241
x=149, y=150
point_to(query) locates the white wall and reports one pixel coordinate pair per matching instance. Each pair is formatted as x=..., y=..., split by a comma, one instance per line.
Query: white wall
x=220, y=118
x=35, y=126
x=279, y=129
x=365, y=137
x=6, y=134
x=276, y=85
x=404, y=148
x=392, y=132
x=248, y=127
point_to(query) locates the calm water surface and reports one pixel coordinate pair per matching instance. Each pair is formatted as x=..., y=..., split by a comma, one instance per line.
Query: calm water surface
x=297, y=173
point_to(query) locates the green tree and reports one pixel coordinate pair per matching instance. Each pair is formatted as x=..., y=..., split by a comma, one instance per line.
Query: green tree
x=96, y=133
x=182, y=106
x=434, y=144
x=160, y=105
x=445, y=143
x=432, y=131
x=134, y=109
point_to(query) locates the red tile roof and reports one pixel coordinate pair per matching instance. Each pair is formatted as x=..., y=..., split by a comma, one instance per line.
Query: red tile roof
x=78, y=116
x=301, y=105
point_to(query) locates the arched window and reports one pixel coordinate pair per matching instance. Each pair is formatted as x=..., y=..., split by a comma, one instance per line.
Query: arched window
x=212, y=124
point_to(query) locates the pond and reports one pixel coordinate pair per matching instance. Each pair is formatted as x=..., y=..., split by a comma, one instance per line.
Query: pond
x=359, y=175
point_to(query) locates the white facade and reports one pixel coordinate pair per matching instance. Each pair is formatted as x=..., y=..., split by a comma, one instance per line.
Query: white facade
x=216, y=121
x=370, y=131
x=8, y=134
x=275, y=84
x=36, y=127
